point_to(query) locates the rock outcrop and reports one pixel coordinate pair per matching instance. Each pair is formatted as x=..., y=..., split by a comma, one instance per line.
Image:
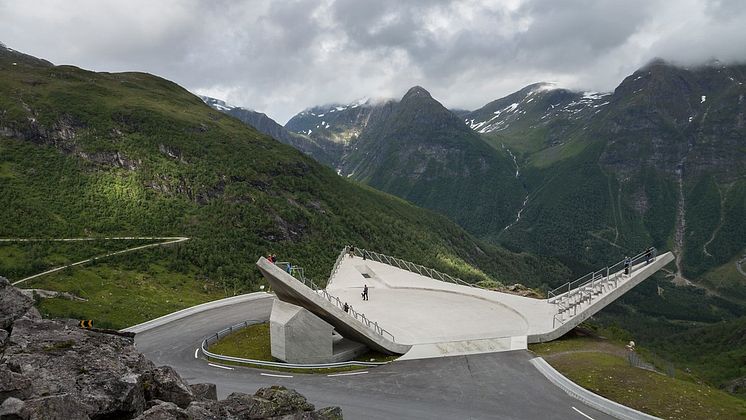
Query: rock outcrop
x=13, y=304
x=52, y=369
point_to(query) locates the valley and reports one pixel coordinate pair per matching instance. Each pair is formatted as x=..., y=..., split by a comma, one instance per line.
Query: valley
x=535, y=188
x=586, y=177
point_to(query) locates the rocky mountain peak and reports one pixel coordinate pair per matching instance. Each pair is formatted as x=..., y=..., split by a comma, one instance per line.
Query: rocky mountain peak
x=416, y=92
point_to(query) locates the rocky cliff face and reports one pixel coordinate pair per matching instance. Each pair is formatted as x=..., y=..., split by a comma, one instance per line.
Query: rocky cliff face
x=663, y=115
x=51, y=369
x=319, y=147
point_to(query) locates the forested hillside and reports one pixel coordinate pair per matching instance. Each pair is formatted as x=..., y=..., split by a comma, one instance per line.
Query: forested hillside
x=128, y=154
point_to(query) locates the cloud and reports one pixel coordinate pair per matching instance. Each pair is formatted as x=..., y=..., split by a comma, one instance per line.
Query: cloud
x=282, y=56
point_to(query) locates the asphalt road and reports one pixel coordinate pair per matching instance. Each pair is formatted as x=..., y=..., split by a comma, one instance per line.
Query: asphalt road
x=483, y=386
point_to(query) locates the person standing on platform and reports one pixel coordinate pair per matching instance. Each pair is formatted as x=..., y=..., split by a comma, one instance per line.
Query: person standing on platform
x=347, y=307
x=626, y=266
x=365, y=292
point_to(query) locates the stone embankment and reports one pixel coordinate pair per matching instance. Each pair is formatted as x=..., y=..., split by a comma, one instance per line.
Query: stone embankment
x=52, y=369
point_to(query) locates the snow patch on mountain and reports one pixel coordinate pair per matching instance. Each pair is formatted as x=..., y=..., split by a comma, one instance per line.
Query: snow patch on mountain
x=218, y=104
x=501, y=119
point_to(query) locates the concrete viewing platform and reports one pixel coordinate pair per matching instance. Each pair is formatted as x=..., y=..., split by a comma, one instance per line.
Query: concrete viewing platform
x=426, y=317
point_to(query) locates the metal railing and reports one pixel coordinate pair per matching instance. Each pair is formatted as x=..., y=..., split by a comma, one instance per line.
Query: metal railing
x=337, y=263
x=299, y=274
x=412, y=267
x=211, y=339
x=571, y=294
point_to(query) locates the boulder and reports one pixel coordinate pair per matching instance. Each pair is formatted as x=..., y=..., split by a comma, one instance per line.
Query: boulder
x=3, y=337
x=205, y=391
x=56, y=407
x=285, y=400
x=736, y=386
x=272, y=402
x=246, y=406
x=13, y=304
x=13, y=409
x=164, y=411
x=163, y=383
x=204, y=410
x=329, y=413
x=101, y=371
x=13, y=385
x=55, y=370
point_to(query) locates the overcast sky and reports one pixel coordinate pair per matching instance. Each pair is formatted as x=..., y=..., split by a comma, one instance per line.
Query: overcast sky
x=281, y=56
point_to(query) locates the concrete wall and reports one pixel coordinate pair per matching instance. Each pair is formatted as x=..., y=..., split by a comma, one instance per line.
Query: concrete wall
x=298, y=336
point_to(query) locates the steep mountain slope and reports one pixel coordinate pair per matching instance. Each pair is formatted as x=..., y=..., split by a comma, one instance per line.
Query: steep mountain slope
x=418, y=150
x=532, y=104
x=662, y=162
x=339, y=123
x=320, y=148
x=93, y=154
x=538, y=116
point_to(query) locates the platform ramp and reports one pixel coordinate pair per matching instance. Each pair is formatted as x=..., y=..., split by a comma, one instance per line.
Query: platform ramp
x=350, y=324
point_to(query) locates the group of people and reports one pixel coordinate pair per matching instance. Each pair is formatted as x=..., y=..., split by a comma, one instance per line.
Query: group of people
x=364, y=294
x=273, y=259
x=650, y=255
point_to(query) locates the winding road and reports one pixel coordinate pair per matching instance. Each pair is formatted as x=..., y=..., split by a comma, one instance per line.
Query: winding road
x=165, y=240
x=495, y=386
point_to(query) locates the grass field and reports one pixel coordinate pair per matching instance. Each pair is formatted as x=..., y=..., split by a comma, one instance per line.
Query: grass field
x=22, y=259
x=124, y=292
x=253, y=342
x=601, y=366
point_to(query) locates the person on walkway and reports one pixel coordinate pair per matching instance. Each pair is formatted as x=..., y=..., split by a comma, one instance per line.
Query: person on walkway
x=648, y=255
x=365, y=292
x=352, y=251
x=626, y=265
x=289, y=268
x=274, y=259
x=346, y=307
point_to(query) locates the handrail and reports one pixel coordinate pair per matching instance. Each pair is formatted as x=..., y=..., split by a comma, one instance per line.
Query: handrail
x=572, y=294
x=414, y=268
x=575, y=285
x=299, y=274
x=215, y=337
x=337, y=263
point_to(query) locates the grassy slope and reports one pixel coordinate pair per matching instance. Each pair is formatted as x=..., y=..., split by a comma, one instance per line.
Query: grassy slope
x=128, y=290
x=253, y=342
x=579, y=212
x=22, y=259
x=147, y=157
x=601, y=366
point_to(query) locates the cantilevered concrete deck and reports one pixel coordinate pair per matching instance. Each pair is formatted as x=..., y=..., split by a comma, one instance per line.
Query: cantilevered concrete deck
x=291, y=290
x=436, y=318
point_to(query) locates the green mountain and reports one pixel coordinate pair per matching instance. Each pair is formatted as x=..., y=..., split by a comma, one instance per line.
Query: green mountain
x=126, y=154
x=418, y=150
x=660, y=161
